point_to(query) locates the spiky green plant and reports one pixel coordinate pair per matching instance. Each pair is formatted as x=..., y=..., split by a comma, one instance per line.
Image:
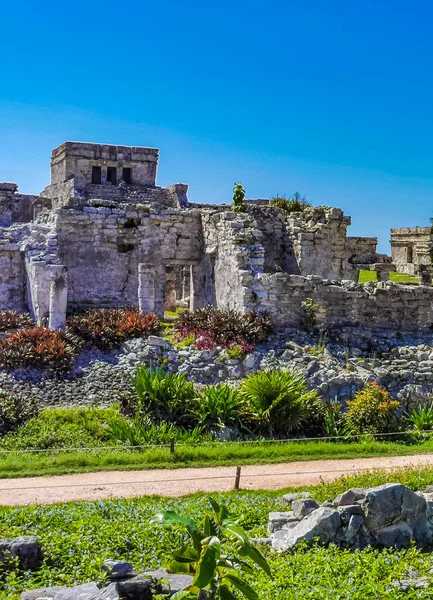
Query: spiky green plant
x=421, y=417
x=279, y=401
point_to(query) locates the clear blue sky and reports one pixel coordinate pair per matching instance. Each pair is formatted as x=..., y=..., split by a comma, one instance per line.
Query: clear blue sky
x=334, y=99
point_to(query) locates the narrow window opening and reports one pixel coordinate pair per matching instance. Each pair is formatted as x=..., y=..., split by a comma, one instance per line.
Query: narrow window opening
x=410, y=254
x=127, y=172
x=96, y=175
x=112, y=175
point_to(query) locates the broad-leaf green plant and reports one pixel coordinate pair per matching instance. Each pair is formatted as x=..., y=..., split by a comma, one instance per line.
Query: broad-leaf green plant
x=239, y=205
x=220, y=406
x=217, y=554
x=164, y=397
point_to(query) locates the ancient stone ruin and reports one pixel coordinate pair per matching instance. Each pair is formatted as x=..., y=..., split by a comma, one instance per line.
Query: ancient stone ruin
x=103, y=234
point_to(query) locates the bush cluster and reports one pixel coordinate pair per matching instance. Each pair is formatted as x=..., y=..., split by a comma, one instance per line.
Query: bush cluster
x=272, y=403
x=39, y=348
x=15, y=411
x=42, y=348
x=108, y=328
x=213, y=327
x=10, y=319
x=294, y=204
x=372, y=411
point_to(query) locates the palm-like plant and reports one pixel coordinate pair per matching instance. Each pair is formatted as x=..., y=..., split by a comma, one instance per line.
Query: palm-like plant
x=220, y=406
x=218, y=555
x=278, y=400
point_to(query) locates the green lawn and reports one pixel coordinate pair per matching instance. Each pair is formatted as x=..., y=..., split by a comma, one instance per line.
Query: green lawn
x=216, y=454
x=365, y=276
x=77, y=537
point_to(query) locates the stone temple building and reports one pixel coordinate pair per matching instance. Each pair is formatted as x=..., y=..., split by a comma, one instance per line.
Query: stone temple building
x=412, y=247
x=103, y=234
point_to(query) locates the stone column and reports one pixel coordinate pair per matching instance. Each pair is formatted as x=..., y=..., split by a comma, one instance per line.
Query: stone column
x=197, y=291
x=382, y=275
x=151, y=288
x=58, y=297
x=170, y=290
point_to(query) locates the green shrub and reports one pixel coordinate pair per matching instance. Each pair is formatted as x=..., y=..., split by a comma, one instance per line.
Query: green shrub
x=309, y=319
x=279, y=401
x=334, y=423
x=372, y=411
x=220, y=406
x=15, y=410
x=108, y=328
x=421, y=417
x=239, y=205
x=164, y=397
x=63, y=428
x=217, y=554
x=294, y=204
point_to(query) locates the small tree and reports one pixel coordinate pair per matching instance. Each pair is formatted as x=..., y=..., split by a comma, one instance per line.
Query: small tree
x=239, y=198
x=216, y=556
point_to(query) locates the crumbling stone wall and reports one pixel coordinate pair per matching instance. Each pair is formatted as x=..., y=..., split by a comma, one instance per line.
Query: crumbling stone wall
x=12, y=278
x=382, y=305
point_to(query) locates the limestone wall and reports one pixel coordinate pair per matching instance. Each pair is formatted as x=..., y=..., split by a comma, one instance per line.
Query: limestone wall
x=411, y=246
x=383, y=305
x=103, y=248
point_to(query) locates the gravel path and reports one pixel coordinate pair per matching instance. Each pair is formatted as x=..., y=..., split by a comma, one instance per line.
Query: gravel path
x=178, y=482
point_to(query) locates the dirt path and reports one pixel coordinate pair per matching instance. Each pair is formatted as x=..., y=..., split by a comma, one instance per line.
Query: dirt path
x=178, y=482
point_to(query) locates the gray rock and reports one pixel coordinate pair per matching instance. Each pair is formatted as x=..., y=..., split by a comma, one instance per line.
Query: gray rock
x=86, y=591
x=26, y=548
x=289, y=498
x=346, y=512
x=397, y=536
x=139, y=587
x=383, y=505
x=302, y=508
x=345, y=499
x=176, y=583
x=108, y=593
x=158, y=342
x=118, y=569
x=277, y=520
x=323, y=523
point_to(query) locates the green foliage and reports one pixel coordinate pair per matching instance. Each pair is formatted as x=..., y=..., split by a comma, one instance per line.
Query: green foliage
x=294, y=204
x=108, y=328
x=235, y=351
x=15, y=411
x=76, y=537
x=220, y=405
x=63, y=428
x=137, y=433
x=334, y=424
x=224, y=327
x=218, y=555
x=372, y=411
x=164, y=397
x=239, y=205
x=279, y=401
x=421, y=417
x=310, y=314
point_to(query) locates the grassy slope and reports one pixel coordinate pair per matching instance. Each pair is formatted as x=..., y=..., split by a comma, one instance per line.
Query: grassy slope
x=56, y=463
x=76, y=537
x=365, y=276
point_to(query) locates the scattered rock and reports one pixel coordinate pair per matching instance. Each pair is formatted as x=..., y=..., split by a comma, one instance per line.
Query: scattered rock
x=26, y=548
x=302, y=508
x=323, y=523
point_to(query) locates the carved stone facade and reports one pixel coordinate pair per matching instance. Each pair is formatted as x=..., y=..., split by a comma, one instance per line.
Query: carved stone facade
x=104, y=234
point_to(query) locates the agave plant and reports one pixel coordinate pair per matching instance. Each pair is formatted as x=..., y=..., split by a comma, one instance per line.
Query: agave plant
x=138, y=433
x=217, y=555
x=164, y=397
x=279, y=401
